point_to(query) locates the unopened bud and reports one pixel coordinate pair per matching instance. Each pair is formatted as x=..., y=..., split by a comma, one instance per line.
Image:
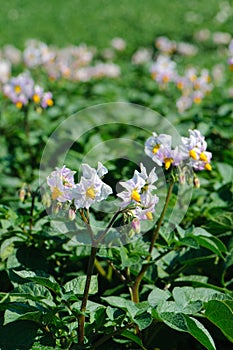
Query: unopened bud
x=22, y=194
x=71, y=214
x=196, y=182
x=182, y=178
x=56, y=207
x=46, y=200
x=136, y=226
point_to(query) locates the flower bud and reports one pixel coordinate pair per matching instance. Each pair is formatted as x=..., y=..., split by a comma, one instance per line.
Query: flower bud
x=56, y=207
x=71, y=214
x=136, y=225
x=196, y=182
x=46, y=200
x=22, y=194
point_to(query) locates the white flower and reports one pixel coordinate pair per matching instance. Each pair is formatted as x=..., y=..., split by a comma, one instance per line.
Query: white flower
x=91, y=188
x=138, y=192
x=61, y=183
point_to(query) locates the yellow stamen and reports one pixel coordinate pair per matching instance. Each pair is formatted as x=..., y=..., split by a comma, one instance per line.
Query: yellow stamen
x=180, y=85
x=197, y=100
x=135, y=195
x=208, y=167
x=19, y=105
x=149, y=215
x=156, y=148
x=168, y=162
x=197, y=86
x=203, y=157
x=193, y=154
x=193, y=77
x=50, y=102
x=90, y=193
x=165, y=79
x=17, y=89
x=56, y=193
x=36, y=98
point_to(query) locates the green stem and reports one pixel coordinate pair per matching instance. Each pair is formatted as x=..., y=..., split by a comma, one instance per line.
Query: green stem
x=81, y=321
x=137, y=282
x=91, y=263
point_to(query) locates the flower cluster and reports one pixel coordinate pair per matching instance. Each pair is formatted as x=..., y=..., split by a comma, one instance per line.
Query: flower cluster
x=138, y=198
x=89, y=190
x=73, y=63
x=193, y=87
x=167, y=46
x=21, y=90
x=163, y=70
x=192, y=152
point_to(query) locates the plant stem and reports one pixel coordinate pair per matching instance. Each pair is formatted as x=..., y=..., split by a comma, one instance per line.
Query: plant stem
x=31, y=211
x=81, y=320
x=91, y=263
x=136, y=285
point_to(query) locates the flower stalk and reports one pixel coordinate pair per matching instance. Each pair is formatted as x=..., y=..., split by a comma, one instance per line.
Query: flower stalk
x=137, y=282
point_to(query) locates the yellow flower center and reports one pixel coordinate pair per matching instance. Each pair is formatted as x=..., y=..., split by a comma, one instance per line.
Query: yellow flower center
x=203, y=157
x=90, y=193
x=156, y=148
x=56, y=193
x=135, y=195
x=17, y=89
x=197, y=100
x=50, y=102
x=208, y=167
x=166, y=79
x=193, y=78
x=180, y=85
x=149, y=215
x=19, y=105
x=36, y=98
x=193, y=154
x=168, y=162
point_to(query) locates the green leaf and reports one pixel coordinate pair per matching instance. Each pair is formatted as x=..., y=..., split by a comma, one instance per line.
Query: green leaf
x=158, y=295
x=7, y=247
x=226, y=171
x=17, y=311
x=220, y=312
x=34, y=316
x=188, y=241
x=77, y=285
x=118, y=302
x=34, y=292
x=48, y=282
x=213, y=244
x=143, y=320
x=184, y=323
x=198, y=331
x=133, y=337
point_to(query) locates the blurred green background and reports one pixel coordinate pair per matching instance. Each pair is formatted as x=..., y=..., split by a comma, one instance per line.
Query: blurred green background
x=96, y=22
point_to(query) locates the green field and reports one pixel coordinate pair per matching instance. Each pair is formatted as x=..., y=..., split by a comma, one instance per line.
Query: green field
x=97, y=22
